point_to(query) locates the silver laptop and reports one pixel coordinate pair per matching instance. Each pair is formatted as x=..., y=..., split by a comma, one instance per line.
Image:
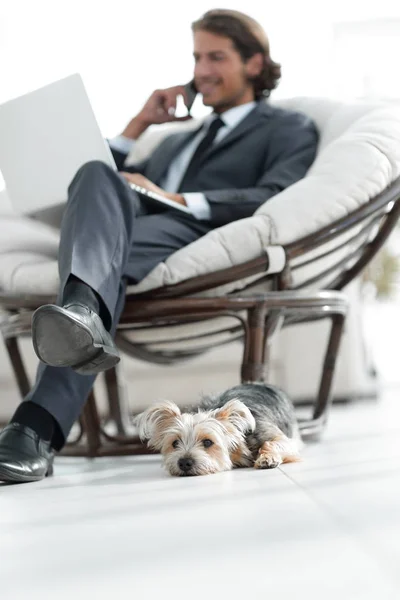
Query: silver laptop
x=46, y=136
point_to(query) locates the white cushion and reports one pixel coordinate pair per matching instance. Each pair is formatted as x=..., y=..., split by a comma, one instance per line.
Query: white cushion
x=5, y=204
x=28, y=273
x=22, y=233
x=348, y=171
x=358, y=157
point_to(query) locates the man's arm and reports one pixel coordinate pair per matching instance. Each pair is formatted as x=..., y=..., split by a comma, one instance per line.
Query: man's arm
x=292, y=150
x=120, y=158
x=159, y=108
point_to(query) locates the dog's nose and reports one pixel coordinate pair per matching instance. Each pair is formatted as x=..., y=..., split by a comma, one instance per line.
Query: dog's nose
x=185, y=464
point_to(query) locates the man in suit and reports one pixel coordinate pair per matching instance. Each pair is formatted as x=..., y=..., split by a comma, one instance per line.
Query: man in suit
x=245, y=152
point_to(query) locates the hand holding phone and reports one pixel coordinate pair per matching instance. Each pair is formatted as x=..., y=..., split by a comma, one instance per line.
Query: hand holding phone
x=161, y=108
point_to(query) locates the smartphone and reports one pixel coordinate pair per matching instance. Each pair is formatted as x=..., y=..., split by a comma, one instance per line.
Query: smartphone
x=191, y=93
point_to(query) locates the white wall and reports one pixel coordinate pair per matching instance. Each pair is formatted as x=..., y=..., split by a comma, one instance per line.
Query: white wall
x=124, y=49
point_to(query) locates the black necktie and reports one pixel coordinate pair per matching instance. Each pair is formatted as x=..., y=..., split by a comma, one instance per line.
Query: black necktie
x=193, y=166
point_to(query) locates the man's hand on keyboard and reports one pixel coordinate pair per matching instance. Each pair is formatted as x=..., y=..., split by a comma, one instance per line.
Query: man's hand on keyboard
x=142, y=181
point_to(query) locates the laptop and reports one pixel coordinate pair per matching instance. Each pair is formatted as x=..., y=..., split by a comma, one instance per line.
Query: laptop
x=46, y=136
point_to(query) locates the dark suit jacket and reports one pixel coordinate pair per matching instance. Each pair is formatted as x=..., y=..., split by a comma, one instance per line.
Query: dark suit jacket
x=269, y=150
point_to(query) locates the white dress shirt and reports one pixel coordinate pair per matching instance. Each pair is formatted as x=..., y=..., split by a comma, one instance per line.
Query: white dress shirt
x=196, y=201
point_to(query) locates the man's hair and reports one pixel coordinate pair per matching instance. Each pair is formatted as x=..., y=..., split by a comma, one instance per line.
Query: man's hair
x=248, y=38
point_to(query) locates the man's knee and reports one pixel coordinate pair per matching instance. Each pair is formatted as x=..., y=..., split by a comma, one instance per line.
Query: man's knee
x=92, y=168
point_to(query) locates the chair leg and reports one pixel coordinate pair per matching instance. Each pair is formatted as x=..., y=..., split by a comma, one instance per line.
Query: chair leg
x=324, y=398
x=253, y=369
x=92, y=425
x=273, y=324
x=118, y=411
x=261, y=326
x=314, y=428
x=18, y=366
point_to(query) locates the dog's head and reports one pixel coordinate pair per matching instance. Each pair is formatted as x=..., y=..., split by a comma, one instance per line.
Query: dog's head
x=195, y=444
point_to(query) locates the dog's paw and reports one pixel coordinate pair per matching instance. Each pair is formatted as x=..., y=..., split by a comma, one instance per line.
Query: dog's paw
x=268, y=461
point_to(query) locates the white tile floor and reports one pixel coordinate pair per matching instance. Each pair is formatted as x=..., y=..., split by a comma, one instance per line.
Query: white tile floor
x=326, y=528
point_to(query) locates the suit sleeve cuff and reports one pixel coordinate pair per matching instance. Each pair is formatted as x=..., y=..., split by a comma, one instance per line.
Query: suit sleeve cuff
x=121, y=143
x=198, y=205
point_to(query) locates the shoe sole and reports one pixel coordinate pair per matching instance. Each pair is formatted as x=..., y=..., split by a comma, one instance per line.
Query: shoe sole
x=60, y=340
x=8, y=476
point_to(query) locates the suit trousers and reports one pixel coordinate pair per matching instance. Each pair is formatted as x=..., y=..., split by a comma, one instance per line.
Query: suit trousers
x=108, y=238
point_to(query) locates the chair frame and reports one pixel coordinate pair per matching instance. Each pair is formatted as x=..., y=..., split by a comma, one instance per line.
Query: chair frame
x=266, y=313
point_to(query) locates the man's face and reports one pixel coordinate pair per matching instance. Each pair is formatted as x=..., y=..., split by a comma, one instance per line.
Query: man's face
x=220, y=74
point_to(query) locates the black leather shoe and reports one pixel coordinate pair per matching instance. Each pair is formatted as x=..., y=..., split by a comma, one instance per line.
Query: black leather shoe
x=24, y=456
x=73, y=336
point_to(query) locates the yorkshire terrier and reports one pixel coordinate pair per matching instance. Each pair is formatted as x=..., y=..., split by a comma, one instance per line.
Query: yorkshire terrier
x=248, y=425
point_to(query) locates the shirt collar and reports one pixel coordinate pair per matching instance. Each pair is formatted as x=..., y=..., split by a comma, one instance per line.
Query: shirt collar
x=233, y=116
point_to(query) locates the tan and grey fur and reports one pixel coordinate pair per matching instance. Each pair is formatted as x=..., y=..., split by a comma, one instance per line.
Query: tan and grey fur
x=247, y=425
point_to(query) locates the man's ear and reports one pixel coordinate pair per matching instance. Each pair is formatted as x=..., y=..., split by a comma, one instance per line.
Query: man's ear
x=153, y=423
x=236, y=414
x=254, y=65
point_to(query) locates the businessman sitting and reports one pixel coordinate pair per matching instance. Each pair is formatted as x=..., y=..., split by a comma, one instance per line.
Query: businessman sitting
x=245, y=152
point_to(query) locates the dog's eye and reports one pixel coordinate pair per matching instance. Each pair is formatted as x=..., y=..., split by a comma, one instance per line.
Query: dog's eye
x=207, y=443
x=175, y=444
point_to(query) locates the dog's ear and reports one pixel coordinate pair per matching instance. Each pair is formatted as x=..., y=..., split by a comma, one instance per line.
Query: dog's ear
x=153, y=422
x=237, y=414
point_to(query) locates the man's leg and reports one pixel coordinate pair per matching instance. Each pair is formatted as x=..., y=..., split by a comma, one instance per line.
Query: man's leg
x=42, y=422
x=96, y=231
x=60, y=393
x=96, y=235
x=158, y=236
x=95, y=243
